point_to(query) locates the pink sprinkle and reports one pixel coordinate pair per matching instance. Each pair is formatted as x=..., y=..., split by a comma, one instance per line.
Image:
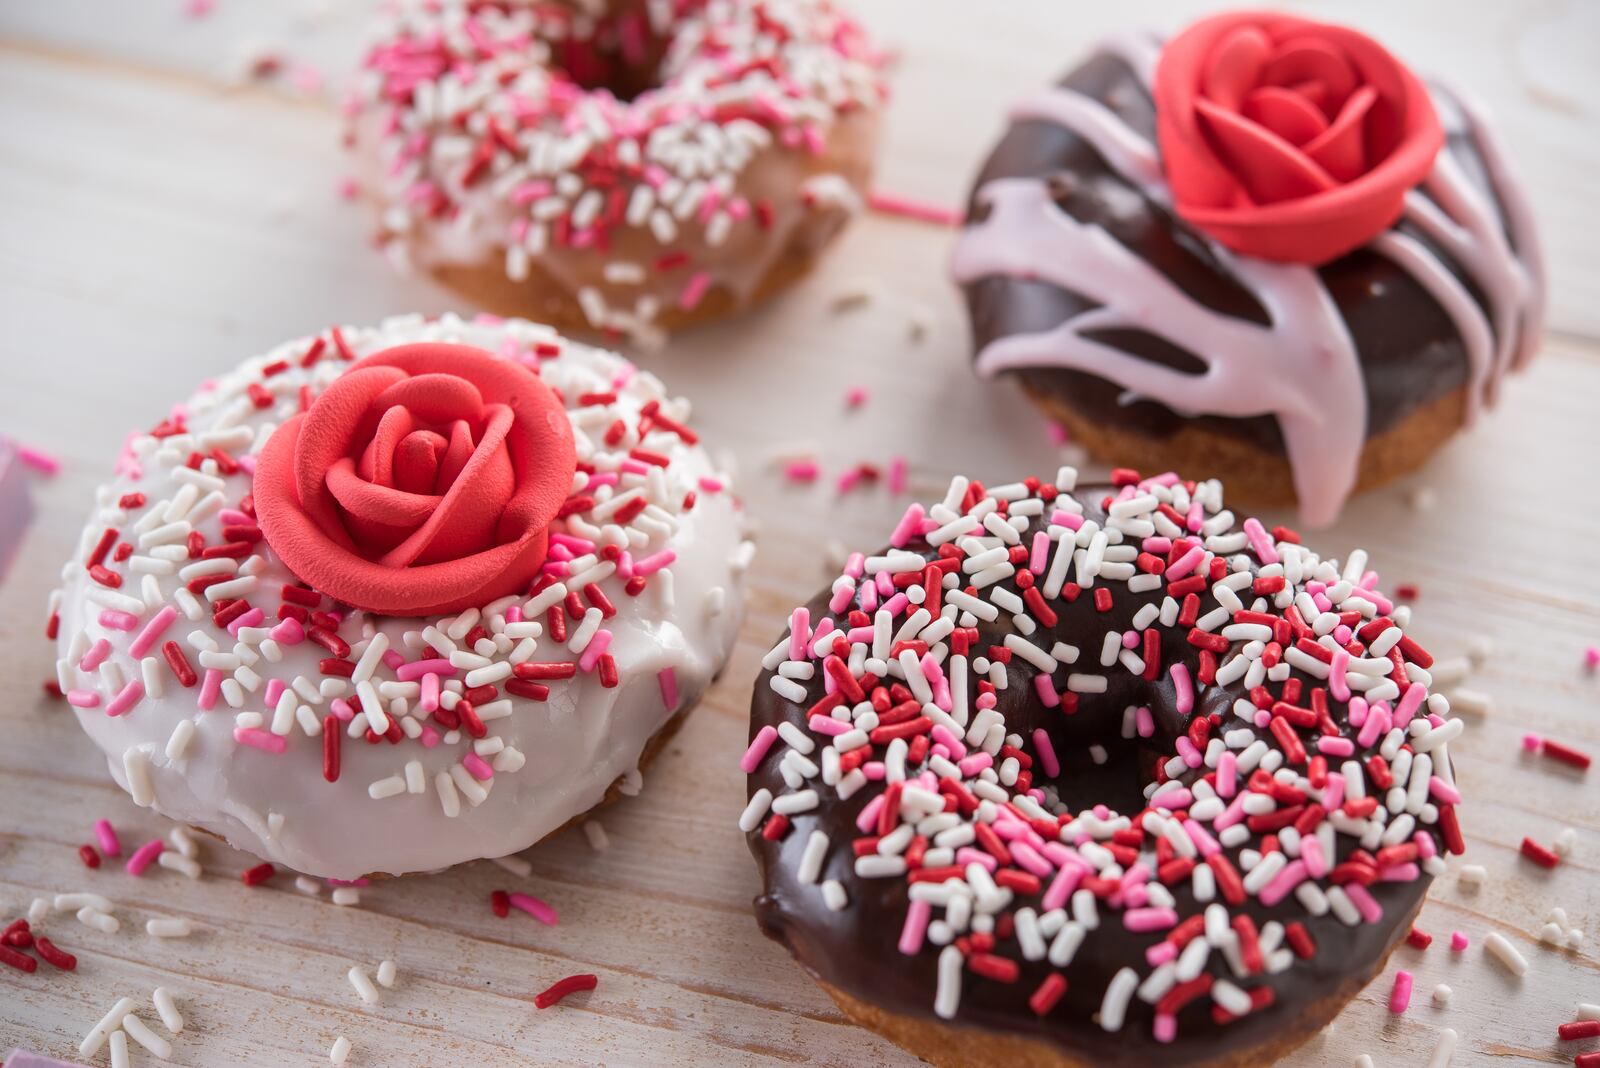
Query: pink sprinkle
x=1185, y=687
x=856, y=396
x=1459, y=941
x=909, y=523
x=1046, y=690
x=476, y=765
x=539, y=910
x=649, y=565
x=348, y=188
x=1047, y=752
x=429, y=737
x=106, y=834
x=1531, y=742
x=1400, y=997
x=248, y=619
x=821, y=724
x=210, y=688
x=95, y=655
x=1260, y=541
x=594, y=650
x=38, y=459
x=1057, y=434
x=257, y=738
x=289, y=632
x=275, y=688
x=1335, y=746
x=799, y=633
x=1185, y=564
x=667, y=679
x=144, y=856
x=1143, y=921
x=915, y=928
x=910, y=208
x=801, y=471
x=694, y=291
x=118, y=620
x=897, y=474
x=1227, y=774
x=83, y=699
x=758, y=749
x=1145, y=722
x=711, y=485
x=1364, y=902
x=1039, y=556
x=418, y=668
x=1591, y=657
x=126, y=698
x=153, y=630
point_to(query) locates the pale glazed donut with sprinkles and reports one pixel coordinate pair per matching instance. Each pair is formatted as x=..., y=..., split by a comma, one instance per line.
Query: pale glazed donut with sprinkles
x=1097, y=777
x=627, y=166
x=538, y=656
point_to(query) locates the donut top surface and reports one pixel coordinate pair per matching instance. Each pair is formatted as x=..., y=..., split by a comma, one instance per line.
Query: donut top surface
x=229, y=693
x=1121, y=256
x=1107, y=768
x=507, y=128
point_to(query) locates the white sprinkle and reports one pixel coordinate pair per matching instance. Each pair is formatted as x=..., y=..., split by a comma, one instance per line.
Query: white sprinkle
x=73, y=902
x=1445, y=1049
x=1114, y=1006
x=1506, y=953
x=386, y=973
x=1441, y=995
x=816, y=851
x=388, y=787
x=168, y=1009
x=119, y=1049
x=345, y=896
x=340, y=1050
x=363, y=983
x=96, y=1038
x=595, y=832
x=140, y=1032
x=1473, y=875
x=174, y=861
x=136, y=769
x=948, y=996
x=100, y=921
x=515, y=865
x=833, y=895
x=756, y=810
x=167, y=927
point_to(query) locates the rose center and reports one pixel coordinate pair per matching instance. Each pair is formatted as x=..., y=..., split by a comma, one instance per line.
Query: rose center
x=416, y=462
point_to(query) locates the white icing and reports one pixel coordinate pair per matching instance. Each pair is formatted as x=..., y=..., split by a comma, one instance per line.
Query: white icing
x=576, y=744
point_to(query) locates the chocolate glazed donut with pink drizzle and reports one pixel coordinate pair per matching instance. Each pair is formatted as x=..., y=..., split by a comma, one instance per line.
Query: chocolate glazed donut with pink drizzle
x=1166, y=331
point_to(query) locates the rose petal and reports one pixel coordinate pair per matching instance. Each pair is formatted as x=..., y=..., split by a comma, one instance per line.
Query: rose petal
x=1270, y=168
x=377, y=459
x=1312, y=59
x=377, y=517
x=1341, y=149
x=457, y=452
x=416, y=462
x=1285, y=113
x=435, y=400
x=335, y=434
x=468, y=515
x=1234, y=66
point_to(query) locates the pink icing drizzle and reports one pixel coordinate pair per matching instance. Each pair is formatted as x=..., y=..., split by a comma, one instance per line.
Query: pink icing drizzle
x=1303, y=368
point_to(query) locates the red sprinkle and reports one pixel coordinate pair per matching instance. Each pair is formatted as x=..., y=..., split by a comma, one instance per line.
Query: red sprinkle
x=20, y=961
x=1044, y=999
x=572, y=984
x=1419, y=938
x=1566, y=754
x=1572, y=1032
x=1537, y=853
x=87, y=854
x=54, y=955
x=258, y=874
x=500, y=902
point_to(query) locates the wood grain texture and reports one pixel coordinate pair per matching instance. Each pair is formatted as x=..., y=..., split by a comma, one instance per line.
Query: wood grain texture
x=156, y=227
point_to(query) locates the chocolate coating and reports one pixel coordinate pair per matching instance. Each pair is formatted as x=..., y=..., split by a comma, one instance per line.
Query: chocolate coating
x=1409, y=348
x=856, y=948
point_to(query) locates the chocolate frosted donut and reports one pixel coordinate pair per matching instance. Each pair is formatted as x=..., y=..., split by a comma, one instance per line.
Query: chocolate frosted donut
x=1162, y=337
x=1096, y=777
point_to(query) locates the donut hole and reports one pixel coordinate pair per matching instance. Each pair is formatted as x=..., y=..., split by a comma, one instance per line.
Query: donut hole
x=621, y=57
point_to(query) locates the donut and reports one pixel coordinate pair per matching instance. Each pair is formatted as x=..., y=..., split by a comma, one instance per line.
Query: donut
x=1096, y=776
x=390, y=599
x=627, y=167
x=1262, y=250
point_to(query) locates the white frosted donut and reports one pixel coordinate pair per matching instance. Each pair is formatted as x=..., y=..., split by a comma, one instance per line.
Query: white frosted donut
x=619, y=165
x=664, y=584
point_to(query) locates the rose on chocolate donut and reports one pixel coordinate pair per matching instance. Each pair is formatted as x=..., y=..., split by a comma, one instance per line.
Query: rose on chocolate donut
x=1288, y=139
x=422, y=481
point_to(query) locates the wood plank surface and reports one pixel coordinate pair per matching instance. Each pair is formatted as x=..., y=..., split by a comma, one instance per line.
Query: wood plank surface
x=157, y=225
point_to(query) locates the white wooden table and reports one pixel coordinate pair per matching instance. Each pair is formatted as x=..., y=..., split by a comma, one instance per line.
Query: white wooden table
x=155, y=226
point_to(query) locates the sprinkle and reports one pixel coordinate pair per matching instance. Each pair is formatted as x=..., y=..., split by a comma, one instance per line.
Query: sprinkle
x=50, y=954
x=167, y=1009
x=1566, y=754
x=1459, y=941
x=1504, y=952
x=107, y=836
x=909, y=208
x=1537, y=853
x=572, y=984
x=534, y=907
x=144, y=856
x=386, y=973
x=1400, y=996
x=163, y=927
x=759, y=745
x=340, y=1050
x=1444, y=1049
x=1441, y=995
x=363, y=984
x=259, y=874
x=1580, y=1029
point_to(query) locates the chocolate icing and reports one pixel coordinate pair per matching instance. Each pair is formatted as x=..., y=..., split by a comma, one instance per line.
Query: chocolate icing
x=1409, y=348
x=855, y=949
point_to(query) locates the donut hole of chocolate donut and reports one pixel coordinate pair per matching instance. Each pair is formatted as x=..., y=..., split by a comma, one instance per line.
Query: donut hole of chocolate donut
x=621, y=55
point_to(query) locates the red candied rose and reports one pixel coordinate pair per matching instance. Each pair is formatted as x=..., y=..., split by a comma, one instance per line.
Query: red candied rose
x=1288, y=139
x=421, y=482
